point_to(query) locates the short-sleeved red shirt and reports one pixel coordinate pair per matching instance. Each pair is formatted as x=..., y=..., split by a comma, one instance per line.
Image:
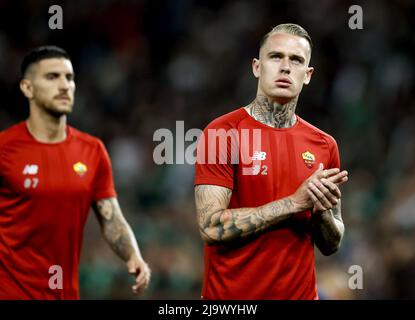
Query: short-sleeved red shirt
x=46, y=191
x=278, y=263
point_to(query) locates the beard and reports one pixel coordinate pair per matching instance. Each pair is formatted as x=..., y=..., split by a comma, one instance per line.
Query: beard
x=57, y=113
x=55, y=110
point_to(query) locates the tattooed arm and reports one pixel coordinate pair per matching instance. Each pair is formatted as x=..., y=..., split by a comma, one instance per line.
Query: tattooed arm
x=328, y=229
x=219, y=224
x=120, y=237
x=326, y=221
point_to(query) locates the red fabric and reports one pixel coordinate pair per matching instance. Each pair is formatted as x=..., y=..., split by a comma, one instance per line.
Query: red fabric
x=44, y=203
x=279, y=263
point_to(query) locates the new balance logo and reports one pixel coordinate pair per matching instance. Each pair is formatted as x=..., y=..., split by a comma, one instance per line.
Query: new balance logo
x=31, y=169
x=259, y=155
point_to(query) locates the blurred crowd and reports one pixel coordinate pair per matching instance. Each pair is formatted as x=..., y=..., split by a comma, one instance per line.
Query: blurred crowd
x=143, y=65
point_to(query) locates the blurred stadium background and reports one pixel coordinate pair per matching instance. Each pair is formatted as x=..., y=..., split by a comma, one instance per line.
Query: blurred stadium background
x=143, y=65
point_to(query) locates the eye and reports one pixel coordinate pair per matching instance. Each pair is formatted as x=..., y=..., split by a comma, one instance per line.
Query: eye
x=51, y=76
x=275, y=56
x=296, y=60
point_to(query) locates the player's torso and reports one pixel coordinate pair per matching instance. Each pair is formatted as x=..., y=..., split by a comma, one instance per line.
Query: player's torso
x=277, y=165
x=35, y=172
x=45, y=188
x=45, y=196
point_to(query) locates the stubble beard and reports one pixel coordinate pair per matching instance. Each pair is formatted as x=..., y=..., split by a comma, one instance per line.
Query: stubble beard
x=55, y=111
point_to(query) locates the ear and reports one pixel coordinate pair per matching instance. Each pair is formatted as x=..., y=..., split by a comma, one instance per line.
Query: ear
x=27, y=88
x=308, y=74
x=255, y=67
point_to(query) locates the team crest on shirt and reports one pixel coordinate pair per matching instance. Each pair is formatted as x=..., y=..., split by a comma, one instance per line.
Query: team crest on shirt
x=308, y=158
x=80, y=168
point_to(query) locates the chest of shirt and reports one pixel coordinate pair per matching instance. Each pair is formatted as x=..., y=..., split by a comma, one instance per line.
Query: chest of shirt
x=276, y=167
x=47, y=171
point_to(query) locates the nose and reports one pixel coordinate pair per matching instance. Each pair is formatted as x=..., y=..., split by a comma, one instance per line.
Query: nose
x=64, y=84
x=285, y=66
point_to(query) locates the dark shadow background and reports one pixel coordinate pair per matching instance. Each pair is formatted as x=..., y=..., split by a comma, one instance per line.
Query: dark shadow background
x=143, y=65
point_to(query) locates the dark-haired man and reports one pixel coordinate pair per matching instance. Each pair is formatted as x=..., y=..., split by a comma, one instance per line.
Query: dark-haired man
x=50, y=175
x=261, y=218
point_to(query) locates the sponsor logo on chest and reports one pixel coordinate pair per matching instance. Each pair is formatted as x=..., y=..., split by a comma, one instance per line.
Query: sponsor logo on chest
x=30, y=169
x=257, y=168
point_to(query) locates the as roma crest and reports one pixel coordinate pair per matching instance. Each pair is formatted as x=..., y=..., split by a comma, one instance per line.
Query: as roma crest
x=308, y=158
x=80, y=168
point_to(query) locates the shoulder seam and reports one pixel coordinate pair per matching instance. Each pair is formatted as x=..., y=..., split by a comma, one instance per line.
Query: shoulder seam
x=243, y=116
x=237, y=120
x=85, y=137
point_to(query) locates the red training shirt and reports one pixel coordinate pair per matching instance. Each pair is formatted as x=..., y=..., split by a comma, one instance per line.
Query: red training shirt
x=46, y=191
x=278, y=263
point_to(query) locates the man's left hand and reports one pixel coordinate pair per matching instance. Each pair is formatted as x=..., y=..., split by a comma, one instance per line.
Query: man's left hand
x=140, y=270
x=324, y=193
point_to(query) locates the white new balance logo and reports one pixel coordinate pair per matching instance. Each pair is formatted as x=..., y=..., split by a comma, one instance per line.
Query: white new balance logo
x=259, y=155
x=31, y=169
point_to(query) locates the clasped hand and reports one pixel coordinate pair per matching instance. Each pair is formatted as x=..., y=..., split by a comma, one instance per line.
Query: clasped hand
x=320, y=191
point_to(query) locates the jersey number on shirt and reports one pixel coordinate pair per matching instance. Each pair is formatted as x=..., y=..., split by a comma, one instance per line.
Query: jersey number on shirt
x=31, y=183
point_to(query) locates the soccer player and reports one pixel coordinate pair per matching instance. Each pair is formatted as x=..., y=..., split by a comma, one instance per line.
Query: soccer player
x=261, y=218
x=50, y=176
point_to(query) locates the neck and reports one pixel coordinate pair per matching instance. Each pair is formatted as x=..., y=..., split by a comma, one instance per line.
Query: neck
x=46, y=127
x=272, y=113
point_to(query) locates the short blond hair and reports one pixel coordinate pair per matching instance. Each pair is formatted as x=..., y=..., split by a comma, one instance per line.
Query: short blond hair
x=290, y=28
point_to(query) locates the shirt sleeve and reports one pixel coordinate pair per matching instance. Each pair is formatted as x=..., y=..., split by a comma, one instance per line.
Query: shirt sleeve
x=334, y=153
x=213, y=159
x=104, y=183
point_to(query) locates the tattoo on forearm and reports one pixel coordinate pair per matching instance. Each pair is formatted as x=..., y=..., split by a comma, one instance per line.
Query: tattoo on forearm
x=106, y=209
x=116, y=230
x=272, y=113
x=217, y=223
x=328, y=229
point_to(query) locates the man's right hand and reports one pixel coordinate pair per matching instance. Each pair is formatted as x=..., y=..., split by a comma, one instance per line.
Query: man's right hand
x=301, y=198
